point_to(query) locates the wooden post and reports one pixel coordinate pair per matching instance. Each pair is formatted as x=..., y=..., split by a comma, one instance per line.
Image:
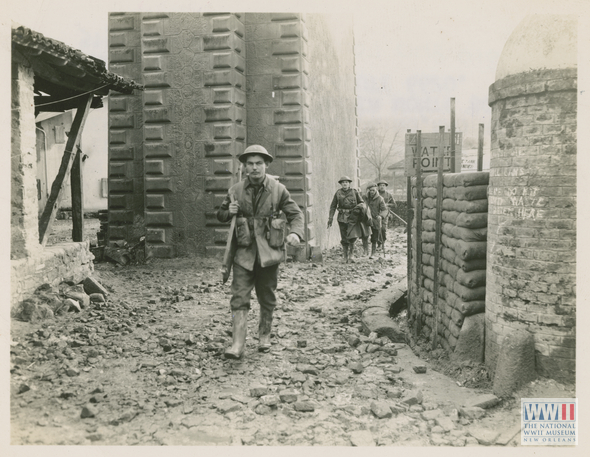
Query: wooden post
x=48, y=216
x=480, y=148
x=419, y=228
x=438, y=232
x=77, y=188
x=453, y=135
x=409, y=218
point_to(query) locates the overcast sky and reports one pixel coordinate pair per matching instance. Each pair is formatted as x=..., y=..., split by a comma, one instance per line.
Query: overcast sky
x=411, y=56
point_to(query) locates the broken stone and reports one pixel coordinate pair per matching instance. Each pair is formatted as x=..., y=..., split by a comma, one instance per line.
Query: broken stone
x=356, y=367
x=87, y=412
x=23, y=388
x=72, y=305
x=303, y=406
x=227, y=406
x=301, y=343
x=472, y=412
x=445, y=422
x=92, y=286
x=298, y=377
x=515, y=365
x=484, y=401
x=394, y=392
x=288, y=396
x=78, y=294
x=97, y=298
x=263, y=410
x=381, y=410
x=484, y=436
x=309, y=369
x=508, y=435
x=258, y=391
x=72, y=371
x=413, y=398
x=420, y=369
x=416, y=408
x=362, y=438
x=432, y=414
x=270, y=400
x=353, y=340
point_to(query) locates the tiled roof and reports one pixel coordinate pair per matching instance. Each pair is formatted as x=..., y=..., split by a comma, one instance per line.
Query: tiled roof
x=72, y=63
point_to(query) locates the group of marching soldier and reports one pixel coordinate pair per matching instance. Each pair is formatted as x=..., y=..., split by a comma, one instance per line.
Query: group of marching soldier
x=362, y=217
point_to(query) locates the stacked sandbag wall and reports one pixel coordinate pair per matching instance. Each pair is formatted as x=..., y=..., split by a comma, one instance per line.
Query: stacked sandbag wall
x=462, y=255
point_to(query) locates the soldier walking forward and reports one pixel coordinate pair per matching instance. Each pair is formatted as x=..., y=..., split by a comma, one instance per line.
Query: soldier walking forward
x=258, y=201
x=390, y=203
x=378, y=212
x=345, y=199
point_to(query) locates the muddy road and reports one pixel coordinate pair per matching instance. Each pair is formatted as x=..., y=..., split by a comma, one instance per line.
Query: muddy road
x=146, y=367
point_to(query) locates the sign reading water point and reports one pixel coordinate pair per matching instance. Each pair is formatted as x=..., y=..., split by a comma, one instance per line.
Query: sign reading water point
x=429, y=145
x=549, y=421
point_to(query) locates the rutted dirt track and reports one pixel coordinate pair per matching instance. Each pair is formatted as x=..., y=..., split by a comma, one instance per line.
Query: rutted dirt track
x=146, y=367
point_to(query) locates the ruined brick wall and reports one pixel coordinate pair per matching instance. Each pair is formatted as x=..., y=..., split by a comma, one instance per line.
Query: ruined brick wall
x=24, y=226
x=462, y=256
x=532, y=221
x=172, y=149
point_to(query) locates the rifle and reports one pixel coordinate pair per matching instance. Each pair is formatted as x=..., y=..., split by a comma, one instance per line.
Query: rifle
x=231, y=245
x=391, y=212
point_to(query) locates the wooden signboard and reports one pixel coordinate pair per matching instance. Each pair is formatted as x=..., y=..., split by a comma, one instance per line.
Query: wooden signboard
x=429, y=153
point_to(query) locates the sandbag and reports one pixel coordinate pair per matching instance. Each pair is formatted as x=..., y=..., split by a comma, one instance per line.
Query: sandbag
x=470, y=265
x=465, y=234
x=457, y=318
x=429, y=202
x=449, y=267
x=466, y=193
x=429, y=225
x=448, y=241
x=470, y=250
x=450, y=217
x=471, y=220
x=475, y=178
x=428, y=248
x=431, y=180
x=448, y=281
x=448, y=254
x=427, y=259
x=473, y=206
x=472, y=279
x=429, y=192
x=448, y=204
x=469, y=308
x=429, y=213
x=428, y=237
x=467, y=294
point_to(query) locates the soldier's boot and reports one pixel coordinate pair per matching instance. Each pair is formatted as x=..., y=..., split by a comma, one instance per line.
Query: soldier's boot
x=351, y=252
x=383, y=248
x=373, y=249
x=345, y=248
x=366, y=247
x=240, y=328
x=264, y=330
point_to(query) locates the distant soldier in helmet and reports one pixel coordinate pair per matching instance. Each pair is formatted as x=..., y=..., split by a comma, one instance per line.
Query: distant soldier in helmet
x=345, y=199
x=390, y=203
x=378, y=213
x=258, y=201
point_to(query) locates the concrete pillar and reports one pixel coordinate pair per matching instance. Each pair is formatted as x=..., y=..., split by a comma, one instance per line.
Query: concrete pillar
x=531, y=269
x=24, y=205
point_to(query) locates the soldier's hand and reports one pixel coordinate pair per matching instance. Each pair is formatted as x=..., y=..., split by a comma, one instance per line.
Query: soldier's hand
x=330, y=223
x=233, y=208
x=293, y=239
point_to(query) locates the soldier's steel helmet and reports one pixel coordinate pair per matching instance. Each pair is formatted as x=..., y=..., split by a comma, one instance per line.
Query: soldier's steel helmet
x=383, y=182
x=370, y=185
x=344, y=178
x=254, y=149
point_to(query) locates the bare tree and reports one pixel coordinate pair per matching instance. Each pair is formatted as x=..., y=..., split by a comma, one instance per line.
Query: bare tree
x=376, y=146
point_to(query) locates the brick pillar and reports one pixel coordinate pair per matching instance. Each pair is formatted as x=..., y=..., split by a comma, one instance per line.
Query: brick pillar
x=278, y=101
x=24, y=205
x=531, y=274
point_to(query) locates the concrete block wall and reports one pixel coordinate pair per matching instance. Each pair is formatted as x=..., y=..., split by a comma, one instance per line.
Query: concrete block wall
x=277, y=99
x=532, y=219
x=173, y=149
x=24, y=223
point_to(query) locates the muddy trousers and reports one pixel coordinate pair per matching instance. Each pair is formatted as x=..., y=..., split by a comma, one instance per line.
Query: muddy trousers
x=264, y=280
x=344, y=241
